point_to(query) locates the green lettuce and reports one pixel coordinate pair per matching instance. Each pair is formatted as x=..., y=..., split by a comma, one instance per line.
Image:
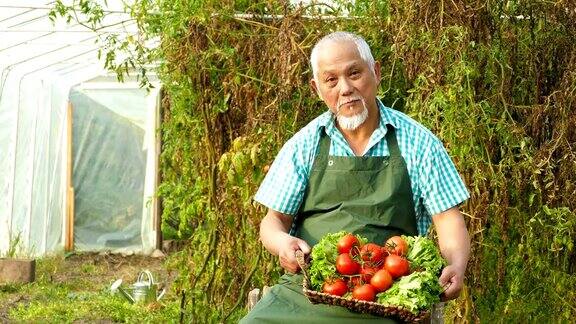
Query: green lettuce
x=423, y=254
x=415, y=292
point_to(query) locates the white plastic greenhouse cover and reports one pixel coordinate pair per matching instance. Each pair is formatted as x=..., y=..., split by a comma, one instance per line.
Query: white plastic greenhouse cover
x=43, y=69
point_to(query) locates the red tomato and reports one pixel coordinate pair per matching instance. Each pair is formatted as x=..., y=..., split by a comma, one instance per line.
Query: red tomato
x=347, y=242
x=346, y=265
x=367, y=272
x=372, y=252
x=381, y=280
x=336, y=287
x=396, y=245
x=396, y=265
x=365, y=292
x=385, y=252
x=355, y=281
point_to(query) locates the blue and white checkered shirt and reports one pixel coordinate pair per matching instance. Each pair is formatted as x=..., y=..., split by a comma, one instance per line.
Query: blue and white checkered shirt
x=436, y=185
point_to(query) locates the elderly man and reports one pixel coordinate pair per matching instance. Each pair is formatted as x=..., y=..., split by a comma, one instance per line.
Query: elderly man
x=359, y=167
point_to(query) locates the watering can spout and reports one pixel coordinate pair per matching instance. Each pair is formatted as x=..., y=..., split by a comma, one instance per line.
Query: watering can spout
x=116, y=287
x=126, y=295
x=161, y=294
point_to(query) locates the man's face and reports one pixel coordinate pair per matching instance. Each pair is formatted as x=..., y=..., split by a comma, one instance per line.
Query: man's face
x=345, y=79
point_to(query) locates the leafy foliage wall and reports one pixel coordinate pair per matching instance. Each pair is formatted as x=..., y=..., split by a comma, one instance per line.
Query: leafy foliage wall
x=494, y=79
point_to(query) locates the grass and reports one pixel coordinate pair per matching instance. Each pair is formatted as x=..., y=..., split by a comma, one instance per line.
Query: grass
x=76, y=289
x=59, y=305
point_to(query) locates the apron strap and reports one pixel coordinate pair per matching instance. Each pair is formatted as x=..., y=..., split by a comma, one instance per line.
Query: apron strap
x=323, y=149
x=392, y=142
x=325, y=142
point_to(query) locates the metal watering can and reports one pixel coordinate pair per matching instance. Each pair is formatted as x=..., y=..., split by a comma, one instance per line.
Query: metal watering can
x=144, y=290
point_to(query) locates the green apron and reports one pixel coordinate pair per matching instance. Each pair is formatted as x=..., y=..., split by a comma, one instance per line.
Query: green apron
x=370, y=196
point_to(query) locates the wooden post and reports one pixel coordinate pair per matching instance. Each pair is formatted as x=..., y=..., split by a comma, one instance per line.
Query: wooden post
x=70, y=221
x=69, y=241
x=158, y=200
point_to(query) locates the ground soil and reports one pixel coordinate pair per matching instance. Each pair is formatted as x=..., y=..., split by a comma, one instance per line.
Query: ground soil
x=110, y=267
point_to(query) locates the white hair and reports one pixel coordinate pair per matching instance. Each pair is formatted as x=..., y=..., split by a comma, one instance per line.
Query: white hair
x=341, y=36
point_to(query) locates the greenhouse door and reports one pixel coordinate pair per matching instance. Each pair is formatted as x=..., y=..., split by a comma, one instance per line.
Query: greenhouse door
x=113, y=163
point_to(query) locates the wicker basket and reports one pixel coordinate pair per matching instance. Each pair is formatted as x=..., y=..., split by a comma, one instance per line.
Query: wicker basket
x=316, y=297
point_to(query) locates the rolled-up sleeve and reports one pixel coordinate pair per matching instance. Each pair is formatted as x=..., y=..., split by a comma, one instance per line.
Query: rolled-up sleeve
x=442, y=186
x=283, y=187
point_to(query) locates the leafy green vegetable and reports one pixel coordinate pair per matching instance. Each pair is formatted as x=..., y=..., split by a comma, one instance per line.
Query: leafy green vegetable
x=423, y=254
x=323, y=259
x=415, y=292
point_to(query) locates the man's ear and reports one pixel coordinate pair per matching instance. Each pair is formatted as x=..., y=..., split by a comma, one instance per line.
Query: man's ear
x=377, y=72
x=314, y=87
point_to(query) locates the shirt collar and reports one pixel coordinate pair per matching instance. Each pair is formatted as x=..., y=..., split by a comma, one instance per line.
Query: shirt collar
x=386, y=116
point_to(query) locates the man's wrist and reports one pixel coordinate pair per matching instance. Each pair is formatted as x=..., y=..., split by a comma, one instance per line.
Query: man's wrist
x=278, y=241
x=459, y=265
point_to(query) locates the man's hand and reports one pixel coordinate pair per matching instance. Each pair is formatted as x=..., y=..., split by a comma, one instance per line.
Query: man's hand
x=275, y=238
x=454, y=243
x=286, y=252
x=452, y=281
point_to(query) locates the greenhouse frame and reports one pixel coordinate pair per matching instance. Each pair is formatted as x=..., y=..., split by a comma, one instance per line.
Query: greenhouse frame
x=78, y=149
